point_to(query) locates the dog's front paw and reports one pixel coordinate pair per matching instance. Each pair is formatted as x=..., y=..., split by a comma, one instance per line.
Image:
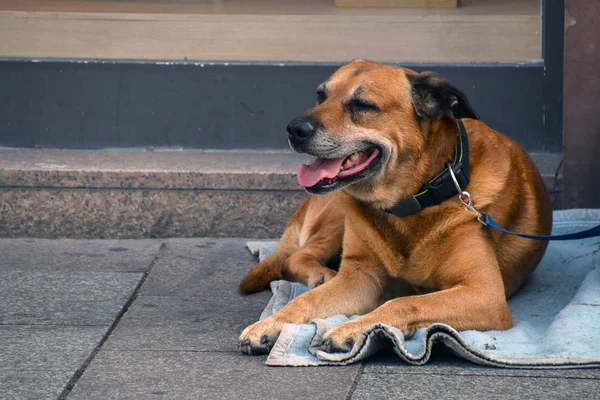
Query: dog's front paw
x=335, y=346
x=341, y=338
x=260, y=337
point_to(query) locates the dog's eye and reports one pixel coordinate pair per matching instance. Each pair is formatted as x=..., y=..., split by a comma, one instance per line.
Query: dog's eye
x=321, y=96
x=356, y=106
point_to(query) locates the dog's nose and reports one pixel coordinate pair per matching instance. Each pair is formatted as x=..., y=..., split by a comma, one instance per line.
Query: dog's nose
x=300, y=129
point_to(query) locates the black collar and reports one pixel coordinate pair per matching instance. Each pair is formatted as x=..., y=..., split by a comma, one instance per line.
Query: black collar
x=441, y=187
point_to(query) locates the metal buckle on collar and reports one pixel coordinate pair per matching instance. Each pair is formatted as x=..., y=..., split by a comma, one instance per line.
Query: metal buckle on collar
x=442, y=187
x=465, y=197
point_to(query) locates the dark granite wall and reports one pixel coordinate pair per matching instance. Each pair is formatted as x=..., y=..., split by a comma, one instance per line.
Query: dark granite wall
x=95, y=104
x=582, y=104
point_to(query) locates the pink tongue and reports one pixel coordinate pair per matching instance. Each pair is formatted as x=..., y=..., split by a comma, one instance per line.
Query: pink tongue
x=310, y=175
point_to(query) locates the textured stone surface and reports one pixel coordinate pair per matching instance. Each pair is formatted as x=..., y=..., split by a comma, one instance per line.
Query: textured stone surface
x=77, y=255
x=158, y=169
x=445, y=363
x=36, y=362
x=57, y=301
x=97, y=214
x=209, y=323
x=170, y=169
x=581, y=122
x=66, y=298
x=129, y=193
x=190, y=299
x=69, y=282
x=202, y=375
x=200, y=268
x=467, y=387
x=178, y=338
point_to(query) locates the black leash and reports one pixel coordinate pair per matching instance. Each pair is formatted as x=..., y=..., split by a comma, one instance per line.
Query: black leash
x=489, y=221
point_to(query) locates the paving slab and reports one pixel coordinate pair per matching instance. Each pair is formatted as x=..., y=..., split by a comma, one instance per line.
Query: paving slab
x=445, y=363
x=59, y=299
x=374, y=386
x=77, y=255
x=206, y=375
x=199, y=267
x=190, y=300
x=69, y=282
x=178, y=339
x=36, y=362
x=65, y=298
x=211, y=323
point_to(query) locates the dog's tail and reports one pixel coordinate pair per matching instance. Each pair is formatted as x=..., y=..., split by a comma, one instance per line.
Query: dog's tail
x=262, y=274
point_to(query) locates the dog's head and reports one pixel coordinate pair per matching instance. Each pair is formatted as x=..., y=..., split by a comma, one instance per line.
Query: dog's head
x=370, y=128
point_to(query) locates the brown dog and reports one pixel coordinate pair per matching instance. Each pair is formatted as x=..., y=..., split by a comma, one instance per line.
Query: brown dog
x=380, y=133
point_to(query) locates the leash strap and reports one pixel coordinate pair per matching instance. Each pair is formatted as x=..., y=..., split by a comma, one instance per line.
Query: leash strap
x=465, y=198
x=488, y=221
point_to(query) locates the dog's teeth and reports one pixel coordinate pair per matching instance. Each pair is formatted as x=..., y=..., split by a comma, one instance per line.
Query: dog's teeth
x=354, y=156
x=347, y=163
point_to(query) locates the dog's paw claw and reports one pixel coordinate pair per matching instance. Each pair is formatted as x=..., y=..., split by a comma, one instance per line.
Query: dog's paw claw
x=349, y=342
x=327, y=345
x=246, y=347
x=260, y=337
x=331, y=346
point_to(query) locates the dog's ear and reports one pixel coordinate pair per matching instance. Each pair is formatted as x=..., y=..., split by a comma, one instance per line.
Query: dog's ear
x=434, y=97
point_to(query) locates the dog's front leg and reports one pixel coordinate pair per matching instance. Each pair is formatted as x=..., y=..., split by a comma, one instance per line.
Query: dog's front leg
x=473, y=297
x=351, y=291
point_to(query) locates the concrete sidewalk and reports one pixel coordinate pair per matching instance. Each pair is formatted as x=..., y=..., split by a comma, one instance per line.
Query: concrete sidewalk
x=145, y=319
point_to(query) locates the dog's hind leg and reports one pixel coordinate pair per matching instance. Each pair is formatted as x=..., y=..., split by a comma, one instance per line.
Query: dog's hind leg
x=320, y=242
x=307, y=265
x=271, y=268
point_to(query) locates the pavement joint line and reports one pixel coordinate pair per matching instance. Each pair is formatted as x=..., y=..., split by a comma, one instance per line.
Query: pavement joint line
x=491, y=375
x=63, y=325
x=558, y=174
x=359, y=373
x=171, y=351
x=79, y=372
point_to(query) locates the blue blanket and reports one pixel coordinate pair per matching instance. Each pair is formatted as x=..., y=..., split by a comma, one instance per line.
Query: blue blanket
x=556, y=316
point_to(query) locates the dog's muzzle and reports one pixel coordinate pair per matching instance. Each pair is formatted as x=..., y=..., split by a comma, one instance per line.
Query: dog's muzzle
x=302, y=129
